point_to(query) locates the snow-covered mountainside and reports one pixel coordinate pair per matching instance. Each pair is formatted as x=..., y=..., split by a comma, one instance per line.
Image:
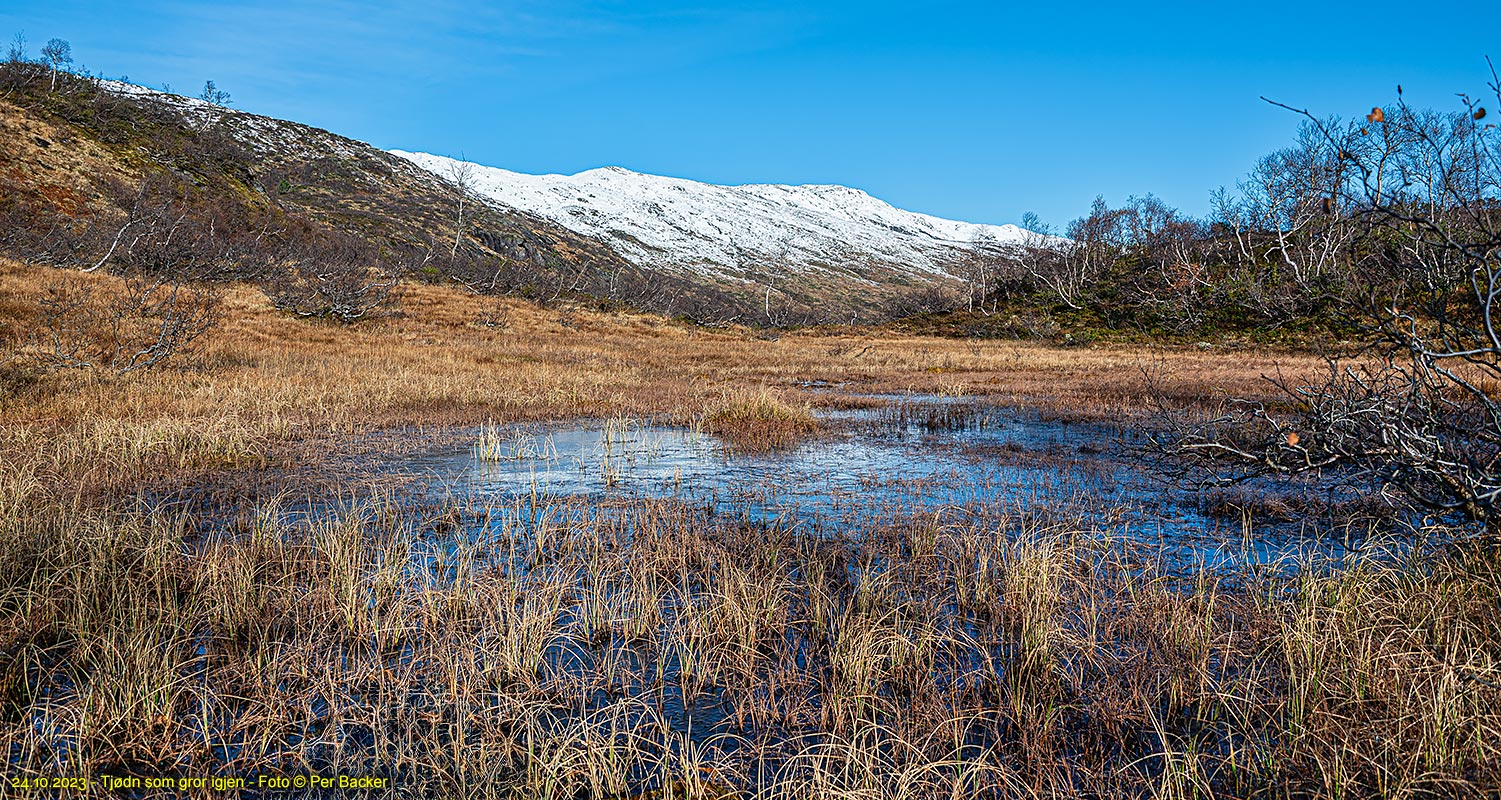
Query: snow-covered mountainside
x=733, y=231
x=756, y=254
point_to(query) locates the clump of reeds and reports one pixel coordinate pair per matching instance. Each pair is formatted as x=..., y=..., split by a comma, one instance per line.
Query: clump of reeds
x=758, y=422
x=497, y=443
x=928, y=417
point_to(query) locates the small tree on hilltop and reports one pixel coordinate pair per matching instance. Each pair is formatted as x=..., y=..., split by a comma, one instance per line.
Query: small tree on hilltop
x=213, y=94
x=16, y=53
x=461, y=174
x=216, y=99
x=58, y=54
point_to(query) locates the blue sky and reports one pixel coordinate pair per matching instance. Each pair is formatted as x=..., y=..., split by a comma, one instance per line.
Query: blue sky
x=974, y=111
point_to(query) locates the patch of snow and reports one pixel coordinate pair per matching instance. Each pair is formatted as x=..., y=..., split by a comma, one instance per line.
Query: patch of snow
x=264, y=135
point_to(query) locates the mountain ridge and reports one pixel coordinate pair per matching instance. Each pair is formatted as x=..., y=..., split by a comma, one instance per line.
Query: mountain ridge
x=85, y=159
x=734, y=231
x=88, y=158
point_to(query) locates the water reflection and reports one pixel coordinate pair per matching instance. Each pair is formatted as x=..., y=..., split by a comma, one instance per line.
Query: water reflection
x=870, y=467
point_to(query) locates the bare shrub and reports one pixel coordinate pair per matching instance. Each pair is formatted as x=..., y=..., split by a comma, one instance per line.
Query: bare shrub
x=136, y=325
x=1094, y=242
x=493, y=314
x=1418, y=413
x=995, y=271
x=931, y=299
x=167, y=230
x=340, y=278
x=18, y=70
x=1066, y=269
x=1173, y=282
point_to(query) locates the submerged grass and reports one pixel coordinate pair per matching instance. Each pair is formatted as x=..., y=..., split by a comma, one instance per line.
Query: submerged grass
x=560, y=652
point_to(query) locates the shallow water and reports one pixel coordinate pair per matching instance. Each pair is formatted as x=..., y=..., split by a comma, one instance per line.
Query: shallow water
x=872, y=466
x=494, y=491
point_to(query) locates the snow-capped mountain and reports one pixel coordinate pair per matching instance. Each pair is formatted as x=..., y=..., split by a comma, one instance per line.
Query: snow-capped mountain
x=733, y=231
x=759, y=254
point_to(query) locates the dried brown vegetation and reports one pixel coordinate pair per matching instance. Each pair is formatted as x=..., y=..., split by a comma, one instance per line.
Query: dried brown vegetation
x=758, y=422
x=997, y=654
x=274, y=378
x=546, y=651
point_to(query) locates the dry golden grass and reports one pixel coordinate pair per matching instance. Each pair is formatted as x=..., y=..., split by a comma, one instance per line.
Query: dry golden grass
x=263, y=380
x=758, y=421
x=1020, y=654
x=69, y=171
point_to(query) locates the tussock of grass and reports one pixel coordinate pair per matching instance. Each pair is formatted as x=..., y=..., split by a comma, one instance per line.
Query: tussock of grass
x=759, y=422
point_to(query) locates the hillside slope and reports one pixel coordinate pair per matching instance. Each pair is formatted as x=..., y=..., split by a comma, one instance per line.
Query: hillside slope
x=79, y=164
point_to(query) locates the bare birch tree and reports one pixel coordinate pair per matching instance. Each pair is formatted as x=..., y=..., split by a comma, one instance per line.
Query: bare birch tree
x=58, y=54
x=460, y=173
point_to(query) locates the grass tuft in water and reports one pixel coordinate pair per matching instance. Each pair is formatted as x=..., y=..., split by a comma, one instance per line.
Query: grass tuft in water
x=759, y=422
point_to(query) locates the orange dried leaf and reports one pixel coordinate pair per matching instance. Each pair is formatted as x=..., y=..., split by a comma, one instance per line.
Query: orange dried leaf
x=1376, y=115
x=1292, y=438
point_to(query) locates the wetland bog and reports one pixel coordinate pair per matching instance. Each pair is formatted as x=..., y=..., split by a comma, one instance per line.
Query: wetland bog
x=596, y=554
